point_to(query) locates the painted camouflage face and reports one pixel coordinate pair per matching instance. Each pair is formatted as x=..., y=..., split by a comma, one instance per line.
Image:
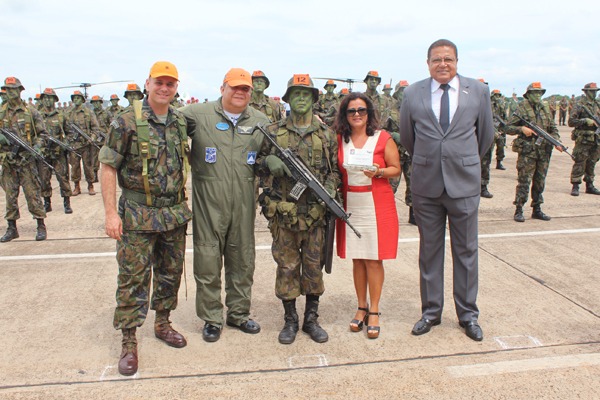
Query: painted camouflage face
x=534, y=96
x=591, y=94
x=329, y=89
x=48, y=101
x=259, y=84
x=97, y=105
x=372, y=83
x=301, y=100
x=13, y=93
x=114, y=102
x=77, y=100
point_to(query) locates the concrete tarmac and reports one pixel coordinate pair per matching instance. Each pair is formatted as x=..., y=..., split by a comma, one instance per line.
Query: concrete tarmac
x=539, y=301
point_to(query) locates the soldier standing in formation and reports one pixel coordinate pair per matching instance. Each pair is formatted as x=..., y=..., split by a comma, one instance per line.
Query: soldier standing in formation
x=587, y=140
x=114, y=107
x=82, y=117
x=499, y=110
x=298, y=226
x=152, y=216
x=260, y=101
x=21, y=170
x=103, y=119
x=132, y=93
x=55, y=155
x=224, y=149
x=533, y=160
x=563, y=107
x=328, y=103
x=372, y=80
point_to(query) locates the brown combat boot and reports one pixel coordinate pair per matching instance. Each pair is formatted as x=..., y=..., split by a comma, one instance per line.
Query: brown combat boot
x=77, y=190
x=128, y=362
x=91, y=190
x=165, y=332
x=11, y=231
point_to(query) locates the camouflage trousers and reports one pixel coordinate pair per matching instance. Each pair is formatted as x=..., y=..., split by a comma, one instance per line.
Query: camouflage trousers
x=61, y=166
x=405, y=169
x=142, y=255
x=26, y=176
x=298, y=258
x=586, y=157
x=532, y=169
x=486, y=162
x=95, y=153
x=500, y=142
x=87, y=158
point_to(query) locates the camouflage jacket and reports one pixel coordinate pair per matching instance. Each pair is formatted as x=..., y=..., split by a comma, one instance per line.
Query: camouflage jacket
x=25, y=121
x=86, y=120
x=56, y=127
x=103, y=122
x=578, y=115
x=321, y=159
x=539, y=115
x=269, y=107
x=382, y=108
x=113, y=111
x=166, y=170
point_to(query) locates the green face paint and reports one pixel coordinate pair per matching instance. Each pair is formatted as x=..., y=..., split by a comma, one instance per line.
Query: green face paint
x=301, y=101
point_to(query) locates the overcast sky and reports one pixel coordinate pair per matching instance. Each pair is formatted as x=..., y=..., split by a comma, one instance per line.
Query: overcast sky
x=52, y=43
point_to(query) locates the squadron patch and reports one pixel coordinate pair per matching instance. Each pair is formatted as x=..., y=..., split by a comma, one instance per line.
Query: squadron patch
x=251, y=158
x=222, y=126
x=210, y=155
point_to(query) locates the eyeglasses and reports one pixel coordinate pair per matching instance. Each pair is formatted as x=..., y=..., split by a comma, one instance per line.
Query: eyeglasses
x=445, y=60
x=361, y=111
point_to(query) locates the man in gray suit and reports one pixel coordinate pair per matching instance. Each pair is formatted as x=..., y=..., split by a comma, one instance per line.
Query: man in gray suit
x=446, y=125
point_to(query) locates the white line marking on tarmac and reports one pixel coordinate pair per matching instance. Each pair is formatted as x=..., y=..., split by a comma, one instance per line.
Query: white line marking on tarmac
x=533, y=364
x=315, y=360
x=268, y=247
x=517, y=341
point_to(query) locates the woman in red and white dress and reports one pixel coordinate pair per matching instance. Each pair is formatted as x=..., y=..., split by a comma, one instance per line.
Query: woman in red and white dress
x=367, y=158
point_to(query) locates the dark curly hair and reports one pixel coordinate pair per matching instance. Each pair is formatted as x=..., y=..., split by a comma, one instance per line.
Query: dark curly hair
x=342, y=127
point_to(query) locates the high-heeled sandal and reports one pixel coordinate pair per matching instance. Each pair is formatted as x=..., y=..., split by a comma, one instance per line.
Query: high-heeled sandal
x=373, y=330
x=356, y=325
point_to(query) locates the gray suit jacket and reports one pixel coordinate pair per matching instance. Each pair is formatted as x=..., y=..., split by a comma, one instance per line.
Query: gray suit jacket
x=451, y=160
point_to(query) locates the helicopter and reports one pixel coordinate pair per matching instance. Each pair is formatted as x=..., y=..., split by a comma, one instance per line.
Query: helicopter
x=86, y=85
x=348, y=81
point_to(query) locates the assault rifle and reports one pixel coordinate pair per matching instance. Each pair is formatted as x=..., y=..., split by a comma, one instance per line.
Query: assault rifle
x=306, y=179
x=62, y=145
x=19, y=144
x=543, y=135
x=499, y=121
x=78, y=131
x=594, y=117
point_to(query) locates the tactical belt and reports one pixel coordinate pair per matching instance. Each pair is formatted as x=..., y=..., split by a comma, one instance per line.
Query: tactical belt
x=158, y=202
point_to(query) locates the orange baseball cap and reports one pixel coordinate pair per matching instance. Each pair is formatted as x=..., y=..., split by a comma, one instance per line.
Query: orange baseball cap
x=238, y=77
x=164, y=68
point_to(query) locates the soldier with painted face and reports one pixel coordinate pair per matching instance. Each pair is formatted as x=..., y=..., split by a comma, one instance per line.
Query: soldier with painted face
x=326, y=107
x=114, y=107
x=146, y=152
x=133, y=92
x=534, y=158
x=399, y=91
x=21, y=169
x=260, y=101
x=57, y=157
x=103, y=124
x=85, y=119
x=382, y=107
x=587, y=140
x=298, y=226
x=224, y=149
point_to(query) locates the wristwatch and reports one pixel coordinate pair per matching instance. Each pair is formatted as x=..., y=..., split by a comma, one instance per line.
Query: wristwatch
x=379, y=174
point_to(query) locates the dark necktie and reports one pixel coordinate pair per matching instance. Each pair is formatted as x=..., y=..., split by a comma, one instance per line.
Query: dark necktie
x=445, y=108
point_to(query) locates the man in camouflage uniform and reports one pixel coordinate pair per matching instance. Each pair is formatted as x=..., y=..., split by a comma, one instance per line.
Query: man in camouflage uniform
x=260, y=101
x=224, y=149
x=399, y=92
x=55, y=155
x=326, y=107
x=534, y=158
x=103, y=126
x=20, y=169
x=499, y=111
x=511, y=105
x=382, y=106
x=146, y=151
x=587, y=140
x=114, y=107
x=563, y=107
x=298, y=226
x=82, y=117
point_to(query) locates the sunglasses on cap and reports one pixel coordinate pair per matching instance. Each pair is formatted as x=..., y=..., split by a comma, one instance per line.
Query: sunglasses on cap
x=361, y=111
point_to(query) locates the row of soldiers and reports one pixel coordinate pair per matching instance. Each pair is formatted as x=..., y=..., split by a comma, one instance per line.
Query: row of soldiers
x=62, y=140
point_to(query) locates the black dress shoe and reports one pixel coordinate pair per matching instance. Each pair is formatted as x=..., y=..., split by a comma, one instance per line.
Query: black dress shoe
x=472, y=330
x=424, y=325
x=211, y=333
x=249, y=326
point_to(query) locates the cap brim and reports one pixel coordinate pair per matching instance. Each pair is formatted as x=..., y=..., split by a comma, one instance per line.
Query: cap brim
x=239, y=82
x=163, y=75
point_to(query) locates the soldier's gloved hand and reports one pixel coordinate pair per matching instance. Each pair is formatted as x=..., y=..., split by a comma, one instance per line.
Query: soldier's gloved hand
x=276, y=166
x=4, y=140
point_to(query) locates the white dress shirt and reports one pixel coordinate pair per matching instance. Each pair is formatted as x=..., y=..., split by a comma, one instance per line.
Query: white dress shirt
x=436, y=96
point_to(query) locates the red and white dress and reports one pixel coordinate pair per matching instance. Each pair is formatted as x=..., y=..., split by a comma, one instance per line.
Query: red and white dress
x=371, y=204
